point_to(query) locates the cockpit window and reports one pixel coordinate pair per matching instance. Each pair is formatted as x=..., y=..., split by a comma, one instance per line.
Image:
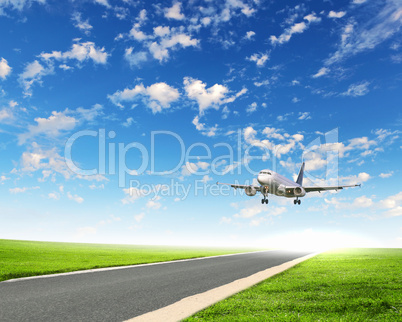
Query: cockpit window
x=265, y=172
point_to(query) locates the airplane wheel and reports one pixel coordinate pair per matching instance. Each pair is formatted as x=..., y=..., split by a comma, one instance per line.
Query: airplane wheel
x=299, y=202
x=294, y=201
x=266, y=201
x=262, y=201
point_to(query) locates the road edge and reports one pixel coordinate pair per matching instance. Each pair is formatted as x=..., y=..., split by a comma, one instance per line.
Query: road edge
x=192, y=304
x=111, y=268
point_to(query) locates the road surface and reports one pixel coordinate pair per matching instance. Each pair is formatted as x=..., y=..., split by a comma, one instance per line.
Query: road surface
x=121, y=294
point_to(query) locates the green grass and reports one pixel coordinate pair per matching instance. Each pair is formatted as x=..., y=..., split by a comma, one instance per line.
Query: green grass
x=31, y=258
x=342, y=285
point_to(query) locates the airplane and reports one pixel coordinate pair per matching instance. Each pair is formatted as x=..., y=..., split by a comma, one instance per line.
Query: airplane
x=274, y=183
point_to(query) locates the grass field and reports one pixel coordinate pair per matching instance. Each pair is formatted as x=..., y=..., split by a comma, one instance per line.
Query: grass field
x=31, y=258
x=342, y=285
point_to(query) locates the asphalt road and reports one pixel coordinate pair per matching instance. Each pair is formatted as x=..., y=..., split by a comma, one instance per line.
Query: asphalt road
x=121, y=294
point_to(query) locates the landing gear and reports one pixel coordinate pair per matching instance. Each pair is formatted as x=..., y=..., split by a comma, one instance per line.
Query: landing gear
x=297, y=201
x=264, y=193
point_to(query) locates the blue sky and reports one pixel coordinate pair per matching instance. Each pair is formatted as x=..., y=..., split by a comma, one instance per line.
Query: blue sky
x=118, y=117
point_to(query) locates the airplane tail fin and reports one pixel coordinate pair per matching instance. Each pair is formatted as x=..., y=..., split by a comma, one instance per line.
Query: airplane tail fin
x=300, y=176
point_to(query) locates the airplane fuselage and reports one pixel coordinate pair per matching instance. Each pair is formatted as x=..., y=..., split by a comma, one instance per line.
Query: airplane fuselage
x=277, y=184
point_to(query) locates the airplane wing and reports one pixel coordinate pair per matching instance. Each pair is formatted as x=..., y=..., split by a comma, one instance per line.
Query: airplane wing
x=240, y=186
x=310, y=189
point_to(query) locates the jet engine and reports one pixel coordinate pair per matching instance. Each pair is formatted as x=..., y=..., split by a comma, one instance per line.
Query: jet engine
x=299, y=192
x=250, y=191
x=280, y=191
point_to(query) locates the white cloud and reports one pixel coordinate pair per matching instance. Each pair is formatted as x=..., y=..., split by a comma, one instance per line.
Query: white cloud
x=84, y=26
x=103, y=3
x=232, y=5
x=33, y=73
x=272, y=133
x=304, y=116
x=94, y=177
x=160, y=50
x=355, y=144
x=207, y=131
x=383, y=134
x=206, y=178
x=359, y=89
x=255, y=213
x=85, y=231
x=312, y=18
x=357, y=38
x=53, y=195
x=205, y=97
x=3, y=178
x=251, y=108
x=81, y=52
x=158, y=96
x=128, y=122
x=127, y=95
x=132, y=194
x=138, y=218
x=226, y=220
x=161, y=41
x=87, y=114
x=249, y=35
x=152, y=204
x=386, y=175
x=174, y=12
x=360, y=178
x=52, y=126
x=264, y=82
x=315, y=161
x=259, y=59
x=252, y=211
x=189, y=168
x=23, y=189
x=6, y=114
x=296, y=28
x=358, y=1
x=287, y=34
x=5, y=69
x=203, y=165
x=358, y=203
x=135, y=59
x=95, y=187
x=290, y=142
x=211, y=97
x=75, y=198
x=65, y=67
x=206, y=21
x=323, y=71
x=339, y=14
x=136, y=33
x=41, y=159
x=163, y=94
x=392, y=205
x=17, y=4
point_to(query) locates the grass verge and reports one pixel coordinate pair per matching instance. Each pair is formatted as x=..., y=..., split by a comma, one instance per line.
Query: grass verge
x=30, y=258
x=341, y=285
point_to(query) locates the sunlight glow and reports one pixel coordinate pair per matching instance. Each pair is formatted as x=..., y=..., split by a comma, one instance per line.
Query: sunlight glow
x=314, y=240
